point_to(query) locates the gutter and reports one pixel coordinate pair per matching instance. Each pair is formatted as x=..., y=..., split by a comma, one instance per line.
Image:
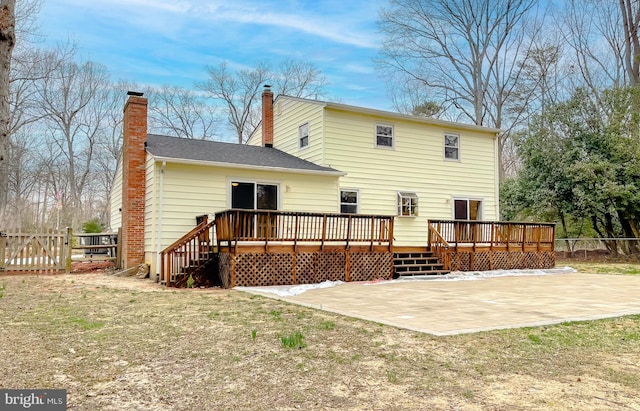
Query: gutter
x=159, y=231
x=250, y=166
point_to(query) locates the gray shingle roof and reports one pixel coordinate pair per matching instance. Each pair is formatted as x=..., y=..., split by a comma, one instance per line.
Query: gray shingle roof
x=228, y=153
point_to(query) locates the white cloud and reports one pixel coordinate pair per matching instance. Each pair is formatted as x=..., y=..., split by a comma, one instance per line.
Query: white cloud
x=330, y=27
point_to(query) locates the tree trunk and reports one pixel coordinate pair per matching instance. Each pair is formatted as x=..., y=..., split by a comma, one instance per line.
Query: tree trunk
x=7, y=42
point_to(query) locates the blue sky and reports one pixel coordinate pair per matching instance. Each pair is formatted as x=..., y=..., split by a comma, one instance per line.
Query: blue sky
x=172, y=41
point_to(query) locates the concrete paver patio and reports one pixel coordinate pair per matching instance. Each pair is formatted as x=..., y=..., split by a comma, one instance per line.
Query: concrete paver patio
x=455, y=307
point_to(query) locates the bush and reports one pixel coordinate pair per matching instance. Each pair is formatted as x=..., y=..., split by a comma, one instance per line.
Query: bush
x=92, y=226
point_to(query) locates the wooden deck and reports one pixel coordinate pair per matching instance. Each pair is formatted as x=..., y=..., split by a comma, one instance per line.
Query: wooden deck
x=492, y=245
x=259, y=248
x=276, y=248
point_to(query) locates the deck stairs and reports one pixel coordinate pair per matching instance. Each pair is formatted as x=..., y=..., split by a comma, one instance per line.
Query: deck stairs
x=203, y=269
x=417, y=263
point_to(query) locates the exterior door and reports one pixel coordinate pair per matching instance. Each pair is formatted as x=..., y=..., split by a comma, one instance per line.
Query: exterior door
x=256, y=196
x=465, y=209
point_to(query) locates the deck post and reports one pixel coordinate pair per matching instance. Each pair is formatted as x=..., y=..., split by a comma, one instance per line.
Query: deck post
x=266, y=237
x=390, y=235
x=236, y=228
x=324, y=231
x=295, y=235
x=373, y=224
x=348, y=232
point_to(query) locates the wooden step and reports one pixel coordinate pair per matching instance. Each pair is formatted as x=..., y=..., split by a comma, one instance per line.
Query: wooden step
x=417, y=264
x=423, y=273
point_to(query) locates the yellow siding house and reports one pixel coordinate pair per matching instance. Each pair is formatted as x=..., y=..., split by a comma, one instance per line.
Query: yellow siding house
x=413, y=167
x=306, y=156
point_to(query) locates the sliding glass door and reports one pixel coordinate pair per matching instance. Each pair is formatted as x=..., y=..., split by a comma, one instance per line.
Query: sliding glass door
x=256, y=196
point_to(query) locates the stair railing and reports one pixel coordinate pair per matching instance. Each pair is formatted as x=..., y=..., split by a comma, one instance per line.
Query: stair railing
x=437, y=244
x=188, y=250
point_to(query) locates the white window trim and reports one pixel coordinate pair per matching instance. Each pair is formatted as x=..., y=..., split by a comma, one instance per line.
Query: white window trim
x=300, y=147
x=357, y=191
x=393, y=136
x=444, y=146
x=255, y=182
x=467, y=199
x=401, y=194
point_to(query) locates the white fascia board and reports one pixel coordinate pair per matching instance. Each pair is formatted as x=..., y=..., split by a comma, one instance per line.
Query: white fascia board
x=248, y=166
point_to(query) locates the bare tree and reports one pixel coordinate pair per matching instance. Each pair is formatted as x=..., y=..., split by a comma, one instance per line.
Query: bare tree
x=595, y=43
x=7, y=44
x=464, y=52
x=299, y=79
x=239, y=91
x=630, y=14
x=182, y=113
x=74, y=105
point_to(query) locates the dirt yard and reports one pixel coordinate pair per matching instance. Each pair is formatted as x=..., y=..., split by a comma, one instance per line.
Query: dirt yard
x=127, y=344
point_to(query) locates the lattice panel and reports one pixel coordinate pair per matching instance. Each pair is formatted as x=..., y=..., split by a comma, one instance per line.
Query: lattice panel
x=548, y=259
x=516, y=260
x=480, y=261
x=275, y=269
x=224, y=268
x=244, y=270
x=370, y=266
x=306, y=268
x=263, y=269
x=331, y=266
x=501, y=260
x=460, y=261
x=531, y=260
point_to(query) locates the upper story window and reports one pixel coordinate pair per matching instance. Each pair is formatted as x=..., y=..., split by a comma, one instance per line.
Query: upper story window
x=384, y=135
x=407, y=204
x=349, y=201
x=303, y=135
x=452, y=147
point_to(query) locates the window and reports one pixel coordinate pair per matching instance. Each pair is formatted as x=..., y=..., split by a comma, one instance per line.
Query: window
x=349, y=201
x=384, y=135
x=303, y=135
x=250, y=196
x=465, y=209
x=452, y=147
x=407, y=204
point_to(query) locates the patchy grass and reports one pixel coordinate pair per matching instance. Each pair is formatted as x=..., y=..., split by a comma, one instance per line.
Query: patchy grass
x=122, y=343
x=293, y=341
x=601, y=268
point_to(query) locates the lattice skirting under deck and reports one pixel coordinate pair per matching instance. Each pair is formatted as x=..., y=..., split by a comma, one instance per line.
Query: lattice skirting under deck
x=265, y=269
x=501, y=260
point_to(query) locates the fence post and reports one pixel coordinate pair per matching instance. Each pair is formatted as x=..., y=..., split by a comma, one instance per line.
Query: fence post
x=69, y=245
x=3, y=247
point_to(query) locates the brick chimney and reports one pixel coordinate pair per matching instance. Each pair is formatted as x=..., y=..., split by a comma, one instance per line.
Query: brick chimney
x=267, y=117
x=133, y=179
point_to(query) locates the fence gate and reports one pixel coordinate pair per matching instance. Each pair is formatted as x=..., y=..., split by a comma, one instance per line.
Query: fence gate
x=32, y=251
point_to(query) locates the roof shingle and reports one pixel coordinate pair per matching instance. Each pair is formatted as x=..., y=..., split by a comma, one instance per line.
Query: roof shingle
x=228, y=153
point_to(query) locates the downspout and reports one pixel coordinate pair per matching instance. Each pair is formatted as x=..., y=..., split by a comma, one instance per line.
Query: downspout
x=159, y=233
x=496, y=171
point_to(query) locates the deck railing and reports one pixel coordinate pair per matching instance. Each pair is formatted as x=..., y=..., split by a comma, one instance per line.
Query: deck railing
x=508, y=235
x=233, y=226
x=189, y=250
